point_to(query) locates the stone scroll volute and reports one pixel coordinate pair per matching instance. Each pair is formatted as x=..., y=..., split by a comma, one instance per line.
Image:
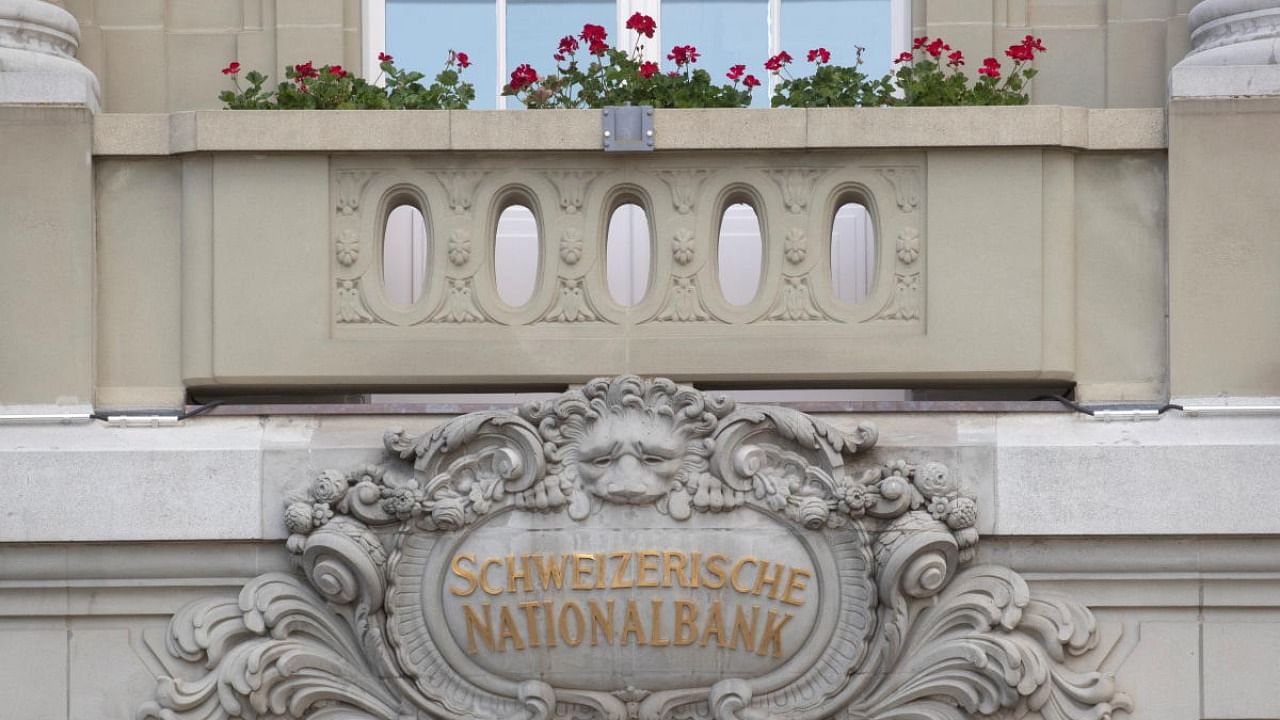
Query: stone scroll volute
x=634, y=549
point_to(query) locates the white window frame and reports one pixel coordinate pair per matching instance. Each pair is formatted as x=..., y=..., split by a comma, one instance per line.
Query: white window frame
x=373, y=23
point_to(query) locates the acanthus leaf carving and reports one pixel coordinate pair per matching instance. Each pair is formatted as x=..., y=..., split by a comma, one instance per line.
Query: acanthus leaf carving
x=684, y=303
x=796, y=185
x=459, y=305
x=571, y=303
x=906, y=186
x=351, y=184
x=351, y=308
x=795, y=302
x=903, y=304
x=572, y=187
x=684, y=185
x=915, y=632
x=460, y=187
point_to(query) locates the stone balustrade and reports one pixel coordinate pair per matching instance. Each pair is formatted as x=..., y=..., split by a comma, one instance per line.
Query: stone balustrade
x=269, y=229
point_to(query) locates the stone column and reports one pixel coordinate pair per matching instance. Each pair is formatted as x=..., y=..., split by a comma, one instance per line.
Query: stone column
x=47, y=101
x=1224, y=251
x=38, y=42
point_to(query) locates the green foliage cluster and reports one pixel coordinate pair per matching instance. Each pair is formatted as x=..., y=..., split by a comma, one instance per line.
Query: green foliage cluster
x=331, y=87
x=928, y=75
x=592, y=74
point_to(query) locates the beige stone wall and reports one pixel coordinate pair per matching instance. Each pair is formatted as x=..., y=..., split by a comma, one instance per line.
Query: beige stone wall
x=47, y=295
x=165, y=55
x=1102, y=53
x=1224, y=257
x=1036, y=251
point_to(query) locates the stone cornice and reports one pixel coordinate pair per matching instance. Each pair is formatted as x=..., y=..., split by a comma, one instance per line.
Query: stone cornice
x=1074, y=128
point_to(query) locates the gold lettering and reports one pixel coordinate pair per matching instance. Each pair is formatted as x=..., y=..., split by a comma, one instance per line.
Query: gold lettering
x=530, y=609
x=516, y=574
x=620, y=572
x=673, y=563
x=695, y=569
x=744, y=631
x=601, y=622
x=507, y=630
x=601, y=575
x=484, y=577
x=715, y=626
x=631, y=625
x=467, y=576
x=550, y=573
x=644, y=566
x=715, y=569
x=581, y=571
x=772, y=635
x=686, y=615
x=736, y=577
x=476, y=627
x=774, y=582
x=547, y=607
x=655, y=629
x=795, y=582
x=579, y=622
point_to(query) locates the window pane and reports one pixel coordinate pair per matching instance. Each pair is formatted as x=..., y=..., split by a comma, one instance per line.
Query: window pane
x=839, y=25
x=420, y=34
x=726, y=33
x=741, y=250
x=627, y=254
x=534, y=29
x=515, y=255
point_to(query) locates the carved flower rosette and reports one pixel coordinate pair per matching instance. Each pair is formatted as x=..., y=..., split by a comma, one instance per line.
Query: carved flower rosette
x=634, y=549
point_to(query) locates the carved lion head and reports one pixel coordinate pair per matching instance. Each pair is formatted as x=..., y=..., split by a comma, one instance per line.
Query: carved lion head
x=627, y=440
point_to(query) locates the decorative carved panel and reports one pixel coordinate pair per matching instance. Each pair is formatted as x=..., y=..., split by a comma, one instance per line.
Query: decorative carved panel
x=635, y=550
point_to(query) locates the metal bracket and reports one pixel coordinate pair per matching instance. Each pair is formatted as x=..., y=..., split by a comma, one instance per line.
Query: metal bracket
x=628, y=128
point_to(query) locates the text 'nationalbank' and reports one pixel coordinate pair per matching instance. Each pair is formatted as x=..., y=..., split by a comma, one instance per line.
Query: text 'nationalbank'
x=741, y=624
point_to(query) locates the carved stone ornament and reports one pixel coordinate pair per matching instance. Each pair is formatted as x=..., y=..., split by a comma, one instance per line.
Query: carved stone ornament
x=634, y=550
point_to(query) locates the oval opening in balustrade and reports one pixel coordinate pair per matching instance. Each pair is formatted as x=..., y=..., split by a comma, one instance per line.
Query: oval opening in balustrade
x=516, y=255
x=740, y=253
x=405, y=255
x=853, y=252
x=627, y=254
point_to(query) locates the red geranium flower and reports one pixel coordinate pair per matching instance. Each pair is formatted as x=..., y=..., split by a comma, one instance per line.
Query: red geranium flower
x=904, y=57
x=594, y=35
x=568, y=46
x=1019, y=52
x=523, y=76
x=936, y=47
x=776, y=62
x=337, y=71
x=683, y=55
x=1034, y=43
x=919, y=42
x=821, y=55
x=231, y=69
x=735, y=72
x=306, y=70
x=383, y=57
x=955, y=59
x=648, y=69
x=990, y=68
x=464, y=61
x=750, y=81
x=642, y=24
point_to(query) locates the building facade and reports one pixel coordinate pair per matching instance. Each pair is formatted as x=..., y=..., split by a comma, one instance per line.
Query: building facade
x=203, y=356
